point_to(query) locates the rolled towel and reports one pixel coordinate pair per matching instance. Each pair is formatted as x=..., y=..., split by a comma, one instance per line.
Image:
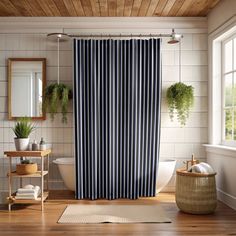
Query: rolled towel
x=208, y=168
x=201, y=168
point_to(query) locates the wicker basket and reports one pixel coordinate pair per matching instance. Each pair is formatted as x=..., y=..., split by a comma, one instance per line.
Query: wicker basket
x=26, y=169
x=195, y=193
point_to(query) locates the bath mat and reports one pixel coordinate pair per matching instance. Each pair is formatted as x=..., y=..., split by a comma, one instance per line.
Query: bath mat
x=93, y=214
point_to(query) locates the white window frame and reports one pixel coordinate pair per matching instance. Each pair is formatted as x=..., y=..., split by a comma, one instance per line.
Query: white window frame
x=223, y=74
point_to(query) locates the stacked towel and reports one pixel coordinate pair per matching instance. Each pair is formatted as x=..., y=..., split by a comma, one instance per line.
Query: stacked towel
x=201, y=168
x=28, y=192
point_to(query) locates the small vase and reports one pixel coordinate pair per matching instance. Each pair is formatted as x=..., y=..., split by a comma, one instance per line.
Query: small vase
x=21, y=144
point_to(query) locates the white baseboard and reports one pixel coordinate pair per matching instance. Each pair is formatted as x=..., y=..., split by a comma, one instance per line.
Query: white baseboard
x=226, y=198
x=168, y=189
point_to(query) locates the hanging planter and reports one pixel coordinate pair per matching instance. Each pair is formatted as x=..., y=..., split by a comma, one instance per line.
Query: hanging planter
x=180, y=99
x=57, y=95
x=56, y=98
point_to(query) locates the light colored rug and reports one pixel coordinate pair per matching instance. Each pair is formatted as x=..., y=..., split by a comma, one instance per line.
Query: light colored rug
x=92, y=214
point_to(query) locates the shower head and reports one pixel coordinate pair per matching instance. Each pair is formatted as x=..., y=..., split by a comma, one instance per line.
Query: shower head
x=61, y=36
x=175, y=38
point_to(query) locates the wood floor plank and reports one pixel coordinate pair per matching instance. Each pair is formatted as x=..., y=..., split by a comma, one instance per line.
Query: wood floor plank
x=28, y=220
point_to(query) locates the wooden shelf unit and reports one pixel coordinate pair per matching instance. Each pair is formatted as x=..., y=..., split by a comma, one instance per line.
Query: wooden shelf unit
x=29, y=201
x=39, y=174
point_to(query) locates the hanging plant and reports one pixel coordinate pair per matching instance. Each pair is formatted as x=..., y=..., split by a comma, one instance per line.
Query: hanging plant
x=57, y=96
x=180, y=99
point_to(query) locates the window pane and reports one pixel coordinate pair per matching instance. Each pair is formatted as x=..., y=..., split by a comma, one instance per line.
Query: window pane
x=228, y=90
x=234, y=125
x=228, y=124
x=235, y=54
x=228, y=56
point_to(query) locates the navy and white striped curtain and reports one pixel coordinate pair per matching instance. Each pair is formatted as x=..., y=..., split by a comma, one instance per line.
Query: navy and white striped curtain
x=117, y=87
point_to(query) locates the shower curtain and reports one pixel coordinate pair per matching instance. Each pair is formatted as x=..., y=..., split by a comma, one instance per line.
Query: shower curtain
x=117, y=93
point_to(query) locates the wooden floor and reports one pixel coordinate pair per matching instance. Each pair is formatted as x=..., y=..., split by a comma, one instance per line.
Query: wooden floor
x=29, y=221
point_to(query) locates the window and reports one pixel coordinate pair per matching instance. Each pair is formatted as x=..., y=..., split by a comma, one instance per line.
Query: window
x=229, y=90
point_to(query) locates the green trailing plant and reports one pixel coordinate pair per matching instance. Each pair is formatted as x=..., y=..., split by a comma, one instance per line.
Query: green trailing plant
x=57, y=96
x=23, y=127
x=26, y=161
x=180, y=99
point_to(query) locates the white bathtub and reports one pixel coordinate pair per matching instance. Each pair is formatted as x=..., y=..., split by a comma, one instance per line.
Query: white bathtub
x=67, y=170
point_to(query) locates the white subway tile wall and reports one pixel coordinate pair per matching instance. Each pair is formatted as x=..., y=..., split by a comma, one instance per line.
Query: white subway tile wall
x=176, y=142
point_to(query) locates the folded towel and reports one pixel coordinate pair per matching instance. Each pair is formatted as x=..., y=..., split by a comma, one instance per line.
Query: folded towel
x=201, y=168
x=28, y=193
x=26, y=197
x=28, y=190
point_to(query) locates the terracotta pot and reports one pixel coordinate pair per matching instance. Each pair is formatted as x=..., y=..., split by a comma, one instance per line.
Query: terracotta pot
x=26, y=169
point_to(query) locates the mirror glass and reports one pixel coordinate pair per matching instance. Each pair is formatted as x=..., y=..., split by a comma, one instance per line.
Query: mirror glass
x=26, y=81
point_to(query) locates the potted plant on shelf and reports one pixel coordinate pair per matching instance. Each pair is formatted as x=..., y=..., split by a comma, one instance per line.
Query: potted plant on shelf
x=23, y=128
x=57, y=95
x=180, y=99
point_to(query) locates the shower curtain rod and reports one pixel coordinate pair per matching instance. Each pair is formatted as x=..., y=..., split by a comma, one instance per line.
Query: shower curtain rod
x=120, y=35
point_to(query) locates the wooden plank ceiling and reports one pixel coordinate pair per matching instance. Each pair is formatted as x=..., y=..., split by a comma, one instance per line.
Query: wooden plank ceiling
x=106, y=7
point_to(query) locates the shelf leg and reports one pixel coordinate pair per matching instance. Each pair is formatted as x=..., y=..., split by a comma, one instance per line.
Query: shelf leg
x=48, y=172
x=9, y=182
x=9, y=206
x=42, y=182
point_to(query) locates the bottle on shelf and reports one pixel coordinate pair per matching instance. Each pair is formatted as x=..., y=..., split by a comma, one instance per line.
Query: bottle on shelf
x=42, y=145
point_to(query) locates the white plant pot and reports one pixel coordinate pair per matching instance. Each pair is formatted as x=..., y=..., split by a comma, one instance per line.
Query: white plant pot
x=22, y=144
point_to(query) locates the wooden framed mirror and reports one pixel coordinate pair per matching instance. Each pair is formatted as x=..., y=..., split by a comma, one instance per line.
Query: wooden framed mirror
x=26, y=84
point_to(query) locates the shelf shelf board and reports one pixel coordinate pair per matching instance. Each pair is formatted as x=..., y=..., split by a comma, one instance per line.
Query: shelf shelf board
x=29, y=201
x=35, y=175
x=27, y=153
